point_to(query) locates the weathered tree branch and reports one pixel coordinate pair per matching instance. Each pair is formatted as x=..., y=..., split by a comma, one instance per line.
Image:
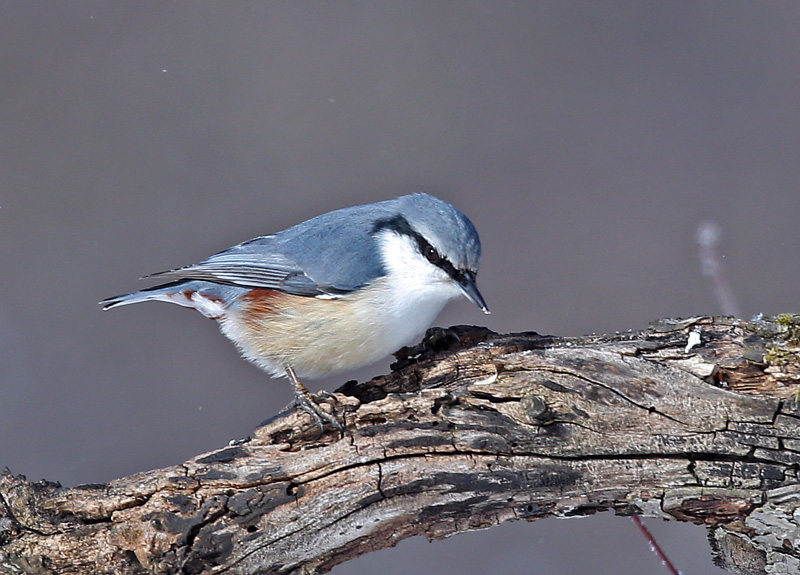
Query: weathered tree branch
x=473, y=429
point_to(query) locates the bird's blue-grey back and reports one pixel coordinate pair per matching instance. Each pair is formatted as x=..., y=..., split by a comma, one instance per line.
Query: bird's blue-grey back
x=335, y=253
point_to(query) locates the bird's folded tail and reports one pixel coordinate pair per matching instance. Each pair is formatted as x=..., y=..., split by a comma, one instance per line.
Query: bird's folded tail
x=164, y=292
x=209, y=299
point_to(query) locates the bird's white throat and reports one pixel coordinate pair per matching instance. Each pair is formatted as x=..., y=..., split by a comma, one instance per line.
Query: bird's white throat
x=414, y=290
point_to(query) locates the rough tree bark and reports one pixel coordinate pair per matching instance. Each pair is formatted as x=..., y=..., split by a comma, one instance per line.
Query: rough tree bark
x=471, y=429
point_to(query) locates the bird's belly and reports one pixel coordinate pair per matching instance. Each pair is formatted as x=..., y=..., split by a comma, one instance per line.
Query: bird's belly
x=320, y=337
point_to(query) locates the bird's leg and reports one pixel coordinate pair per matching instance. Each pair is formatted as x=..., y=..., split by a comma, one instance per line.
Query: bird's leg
x=305, y=401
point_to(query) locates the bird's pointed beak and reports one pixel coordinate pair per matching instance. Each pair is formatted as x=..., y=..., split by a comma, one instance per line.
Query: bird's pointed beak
x=470, y=291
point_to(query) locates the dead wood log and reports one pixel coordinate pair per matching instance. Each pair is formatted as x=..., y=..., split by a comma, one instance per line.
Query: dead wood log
x=471, y=429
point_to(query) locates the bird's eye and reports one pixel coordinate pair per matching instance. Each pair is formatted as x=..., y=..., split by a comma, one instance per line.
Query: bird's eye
x=431, y=254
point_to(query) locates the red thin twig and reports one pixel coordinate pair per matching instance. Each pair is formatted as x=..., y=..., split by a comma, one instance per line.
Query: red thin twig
x=655, y=546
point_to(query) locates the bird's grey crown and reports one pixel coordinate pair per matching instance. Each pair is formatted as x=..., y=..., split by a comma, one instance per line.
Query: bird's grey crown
x=335, y=253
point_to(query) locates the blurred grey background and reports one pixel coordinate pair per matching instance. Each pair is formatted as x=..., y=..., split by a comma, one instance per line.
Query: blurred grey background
x=586, y=140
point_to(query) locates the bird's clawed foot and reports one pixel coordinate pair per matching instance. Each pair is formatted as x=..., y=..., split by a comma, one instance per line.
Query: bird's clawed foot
x=306, y=401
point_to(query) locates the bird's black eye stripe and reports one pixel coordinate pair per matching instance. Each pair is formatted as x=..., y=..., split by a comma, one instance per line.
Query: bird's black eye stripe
x=433, y=256
x=400, y=225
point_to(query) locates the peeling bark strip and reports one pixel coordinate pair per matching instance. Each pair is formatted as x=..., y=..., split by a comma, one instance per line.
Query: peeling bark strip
x=470, y=430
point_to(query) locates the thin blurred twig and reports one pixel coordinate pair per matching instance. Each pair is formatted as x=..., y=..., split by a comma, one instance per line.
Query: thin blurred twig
x=708, y=234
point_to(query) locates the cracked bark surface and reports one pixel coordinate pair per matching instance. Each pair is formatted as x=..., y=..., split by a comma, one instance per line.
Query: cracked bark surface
x=470, y=429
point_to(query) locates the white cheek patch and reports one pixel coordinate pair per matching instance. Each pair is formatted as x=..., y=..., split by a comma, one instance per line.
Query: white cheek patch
x=407, y=268
x=414, y=287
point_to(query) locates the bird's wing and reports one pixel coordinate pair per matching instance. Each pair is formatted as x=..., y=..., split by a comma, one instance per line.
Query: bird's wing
x=312, y=259
x=251, y=264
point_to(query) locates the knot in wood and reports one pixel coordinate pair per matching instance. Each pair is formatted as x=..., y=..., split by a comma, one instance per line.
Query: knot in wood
x=535, y=409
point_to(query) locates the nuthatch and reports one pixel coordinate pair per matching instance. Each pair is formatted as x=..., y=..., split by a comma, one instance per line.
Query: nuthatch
x=334, y=293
